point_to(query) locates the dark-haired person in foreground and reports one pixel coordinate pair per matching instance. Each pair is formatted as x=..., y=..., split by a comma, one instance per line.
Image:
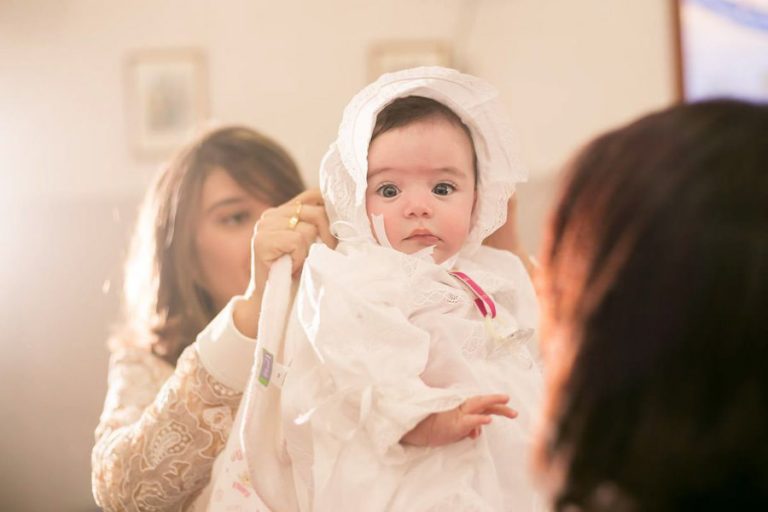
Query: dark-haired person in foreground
x=655, y=292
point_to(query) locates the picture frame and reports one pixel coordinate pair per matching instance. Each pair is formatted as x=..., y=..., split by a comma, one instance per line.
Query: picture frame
x=166, y=98
x=388, y=56
x=721, y=49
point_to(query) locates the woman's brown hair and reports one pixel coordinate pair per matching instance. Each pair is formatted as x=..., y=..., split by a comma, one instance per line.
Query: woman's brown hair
x=655, y=290
x=163, y=306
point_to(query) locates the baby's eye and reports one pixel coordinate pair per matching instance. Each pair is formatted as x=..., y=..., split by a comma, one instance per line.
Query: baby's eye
x=388, y=190
x=443, y=189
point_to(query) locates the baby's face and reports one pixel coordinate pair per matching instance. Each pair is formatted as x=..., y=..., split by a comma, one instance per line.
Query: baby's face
x=421, y=180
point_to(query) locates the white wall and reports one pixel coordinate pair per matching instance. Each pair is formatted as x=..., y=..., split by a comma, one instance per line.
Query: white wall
x=69, y=182
x=565, y=69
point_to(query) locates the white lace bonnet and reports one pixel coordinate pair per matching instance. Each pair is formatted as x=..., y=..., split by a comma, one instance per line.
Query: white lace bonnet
x=344, y=169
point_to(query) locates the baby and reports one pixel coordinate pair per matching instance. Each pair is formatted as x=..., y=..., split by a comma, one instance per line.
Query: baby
x=410, y=337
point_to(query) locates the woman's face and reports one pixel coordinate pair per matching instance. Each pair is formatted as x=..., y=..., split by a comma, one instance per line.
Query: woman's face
x=223, y=236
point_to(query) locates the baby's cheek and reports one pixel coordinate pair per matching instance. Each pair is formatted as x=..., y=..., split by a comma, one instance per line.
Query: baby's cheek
x=385, y=221
x=460, y=232
x=391, y=227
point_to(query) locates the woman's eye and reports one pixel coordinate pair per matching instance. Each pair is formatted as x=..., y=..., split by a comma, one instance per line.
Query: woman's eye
x=236, y=219
x=388, y=191
x=443, y=189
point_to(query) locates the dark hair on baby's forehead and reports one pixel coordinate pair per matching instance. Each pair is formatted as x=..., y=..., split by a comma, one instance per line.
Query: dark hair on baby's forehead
x=410, y=109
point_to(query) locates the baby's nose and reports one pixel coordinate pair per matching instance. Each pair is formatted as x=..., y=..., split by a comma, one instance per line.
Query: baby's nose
x=418, y=207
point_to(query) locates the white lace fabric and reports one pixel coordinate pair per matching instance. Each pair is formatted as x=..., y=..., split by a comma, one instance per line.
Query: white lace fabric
x=388, y=341
x=395, y=337
x=160, y=432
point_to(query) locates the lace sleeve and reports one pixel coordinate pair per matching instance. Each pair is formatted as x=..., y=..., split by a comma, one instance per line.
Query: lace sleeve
x=159, y=433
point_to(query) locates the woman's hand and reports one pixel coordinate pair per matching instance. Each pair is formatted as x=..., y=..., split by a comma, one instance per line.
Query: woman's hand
x=466, y=420
x=507, y=238
x=277, y=234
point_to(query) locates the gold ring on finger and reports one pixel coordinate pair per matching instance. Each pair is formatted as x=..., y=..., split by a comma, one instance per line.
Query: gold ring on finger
x=294, y=220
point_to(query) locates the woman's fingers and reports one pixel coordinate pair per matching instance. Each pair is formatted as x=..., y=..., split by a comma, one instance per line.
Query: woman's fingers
x=310, y=196
x=320, y=220
x=278, y=233
x=316, y=217
x=272, y=226
x=267, y=249
x=312, y=214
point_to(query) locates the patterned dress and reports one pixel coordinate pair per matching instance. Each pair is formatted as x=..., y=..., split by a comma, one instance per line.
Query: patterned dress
x=160, y=432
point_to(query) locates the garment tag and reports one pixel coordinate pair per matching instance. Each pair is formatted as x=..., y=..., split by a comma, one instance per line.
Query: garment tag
x=265, y=372
x=514, y=344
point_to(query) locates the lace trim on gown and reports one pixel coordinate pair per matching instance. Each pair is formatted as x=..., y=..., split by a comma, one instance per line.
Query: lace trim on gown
x=159, y=433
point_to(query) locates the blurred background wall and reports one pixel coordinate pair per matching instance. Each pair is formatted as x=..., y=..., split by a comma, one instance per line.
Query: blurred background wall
x=70, y=181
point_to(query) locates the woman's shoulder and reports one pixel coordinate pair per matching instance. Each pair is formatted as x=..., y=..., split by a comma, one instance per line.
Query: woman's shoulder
x=129, y=353
x=135, y=376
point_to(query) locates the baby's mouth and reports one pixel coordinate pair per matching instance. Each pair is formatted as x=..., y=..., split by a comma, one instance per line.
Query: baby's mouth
x=423, y=237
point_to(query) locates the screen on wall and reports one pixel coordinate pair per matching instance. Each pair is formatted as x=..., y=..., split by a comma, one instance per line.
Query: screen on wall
x=724, y=49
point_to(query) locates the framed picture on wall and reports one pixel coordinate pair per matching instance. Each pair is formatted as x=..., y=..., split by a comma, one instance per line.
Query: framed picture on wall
x=722, y=49
x=166, y=98
x=385, y=57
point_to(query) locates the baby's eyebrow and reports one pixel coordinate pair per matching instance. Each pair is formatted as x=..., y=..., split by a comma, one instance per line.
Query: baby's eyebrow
x=453, y=171
x=373, y=172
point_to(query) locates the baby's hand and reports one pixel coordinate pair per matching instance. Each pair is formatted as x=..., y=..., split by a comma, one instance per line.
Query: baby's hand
x=466, y=420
